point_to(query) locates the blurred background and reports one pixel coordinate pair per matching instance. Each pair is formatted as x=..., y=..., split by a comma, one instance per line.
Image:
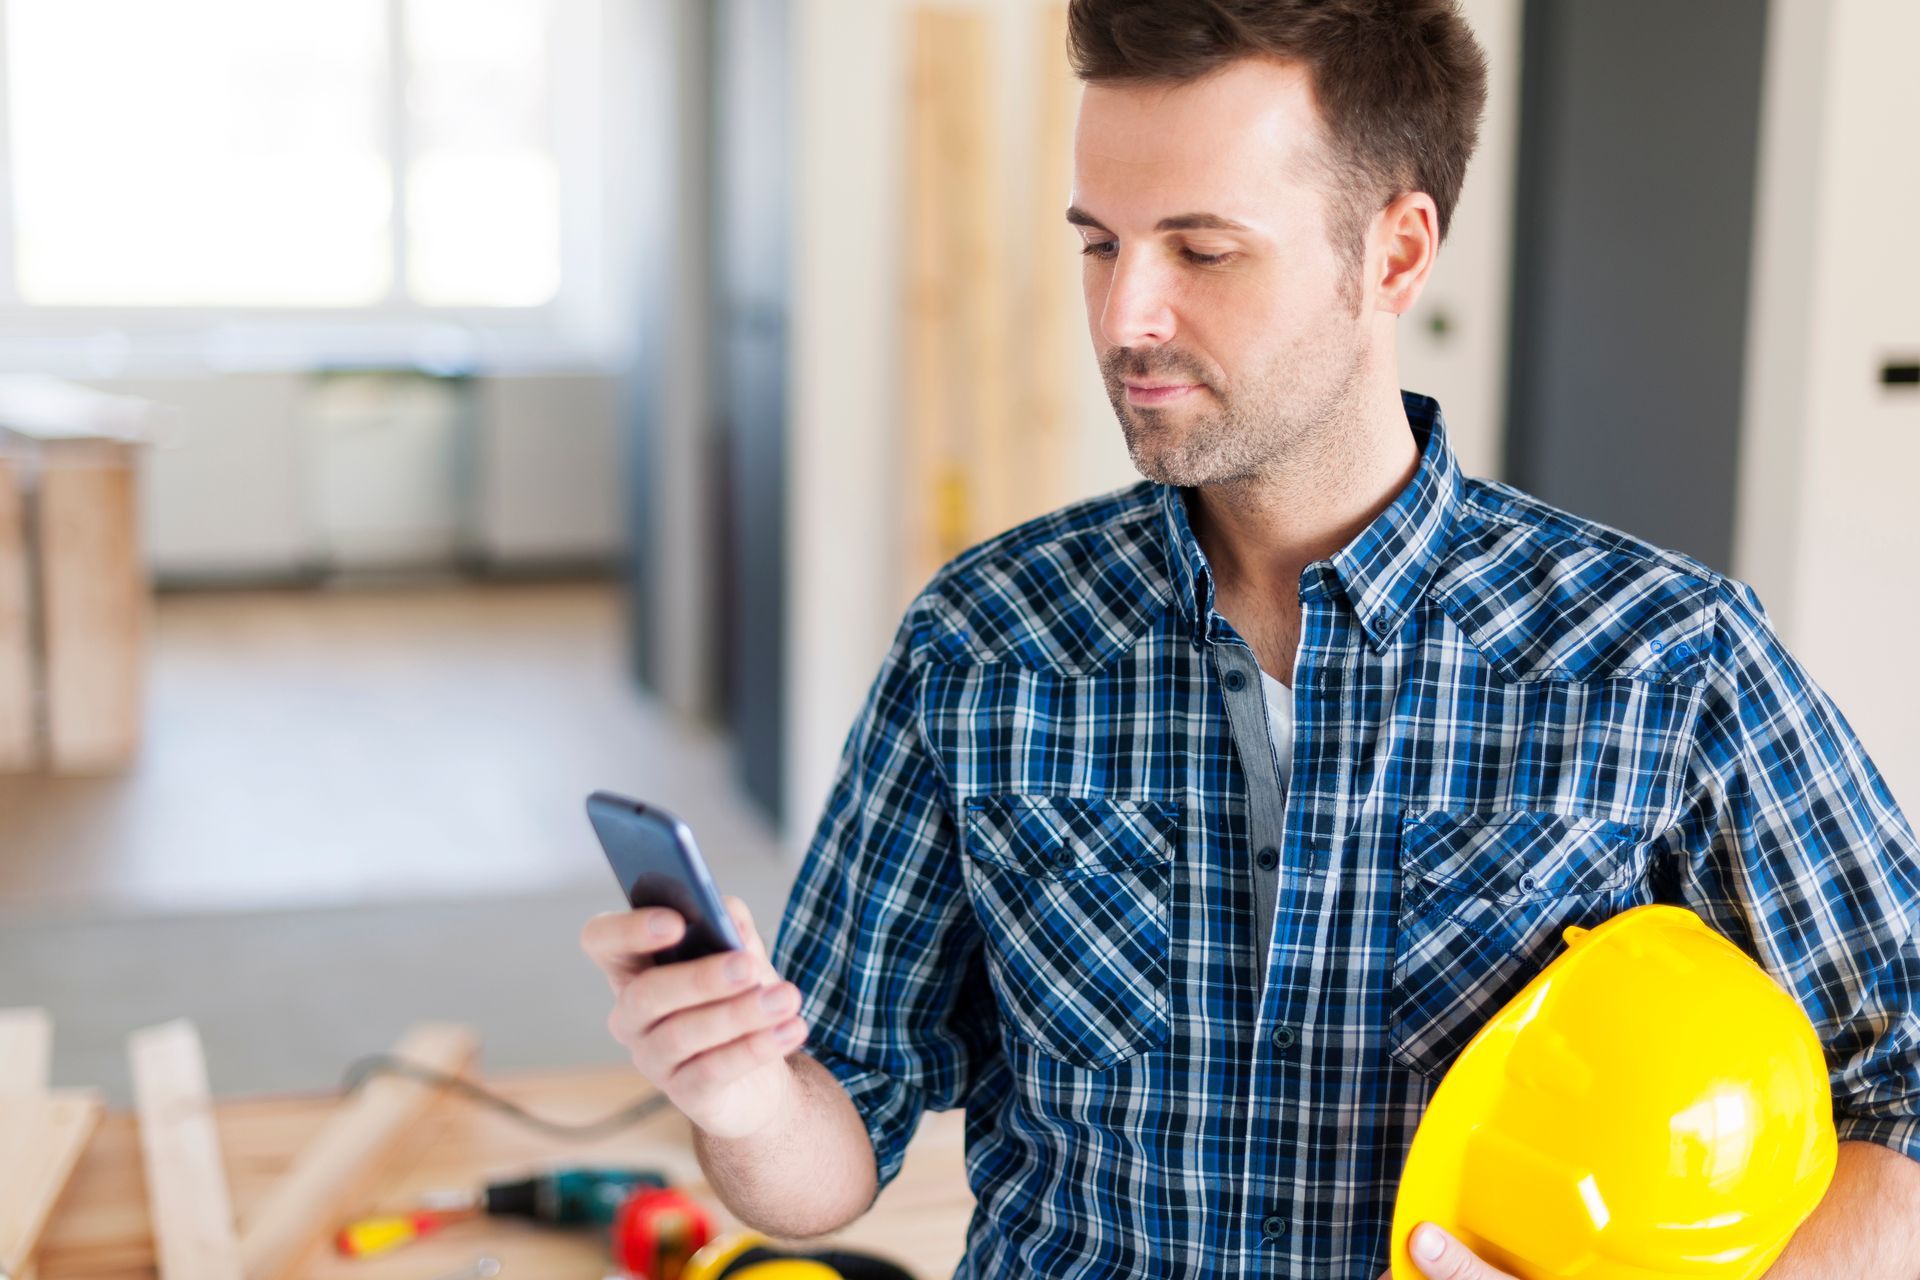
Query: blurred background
x=418, y=413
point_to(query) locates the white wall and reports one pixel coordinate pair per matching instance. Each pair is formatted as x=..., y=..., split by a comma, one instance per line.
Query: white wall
x=843, y=380
x=1827, y=529
x=1465, y=368
x=851, y=93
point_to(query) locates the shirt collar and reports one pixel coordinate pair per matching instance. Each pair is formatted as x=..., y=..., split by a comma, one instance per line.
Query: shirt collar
x=1386, y=567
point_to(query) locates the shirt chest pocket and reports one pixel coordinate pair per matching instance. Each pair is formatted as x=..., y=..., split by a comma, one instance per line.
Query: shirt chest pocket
x=1073, y=896
x=1484, y=898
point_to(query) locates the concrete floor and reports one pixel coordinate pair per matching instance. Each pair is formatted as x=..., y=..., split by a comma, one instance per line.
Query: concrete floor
x=354, y=810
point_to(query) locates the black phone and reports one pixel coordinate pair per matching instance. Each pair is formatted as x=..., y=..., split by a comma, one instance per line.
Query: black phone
x=654, y=857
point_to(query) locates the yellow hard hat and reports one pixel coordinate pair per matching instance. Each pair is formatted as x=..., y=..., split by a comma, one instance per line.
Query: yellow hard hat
x=1651, y=1105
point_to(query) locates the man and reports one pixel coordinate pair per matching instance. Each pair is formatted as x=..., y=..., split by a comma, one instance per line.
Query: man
x=1189, y=832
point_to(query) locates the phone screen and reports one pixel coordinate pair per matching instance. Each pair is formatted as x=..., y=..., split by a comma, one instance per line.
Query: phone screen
x=658, y=864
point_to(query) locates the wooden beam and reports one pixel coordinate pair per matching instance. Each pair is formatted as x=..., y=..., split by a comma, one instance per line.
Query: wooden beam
x=41, y=1138
x=192, y=1213
x=26, y=1069
x=956, y=476
x=19, y=732
x=26, y=1050
x=93, y=594
x=339, y=1164
x=1048, y=362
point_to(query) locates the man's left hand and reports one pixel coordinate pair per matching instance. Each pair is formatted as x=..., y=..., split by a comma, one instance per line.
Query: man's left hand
x=1440, y=1257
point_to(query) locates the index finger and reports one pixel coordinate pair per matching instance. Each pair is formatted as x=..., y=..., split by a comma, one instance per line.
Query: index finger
x=621, y=942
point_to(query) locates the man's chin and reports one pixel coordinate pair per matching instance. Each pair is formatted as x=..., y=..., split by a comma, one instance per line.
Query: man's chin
x=1162, y=469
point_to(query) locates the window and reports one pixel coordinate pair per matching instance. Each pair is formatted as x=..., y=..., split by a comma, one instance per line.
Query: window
x=298, y=154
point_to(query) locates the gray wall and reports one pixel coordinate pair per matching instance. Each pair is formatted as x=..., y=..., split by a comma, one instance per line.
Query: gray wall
x=1639, y=130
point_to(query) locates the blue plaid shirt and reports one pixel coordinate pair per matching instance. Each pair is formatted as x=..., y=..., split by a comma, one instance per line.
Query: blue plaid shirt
x=1194, y=1010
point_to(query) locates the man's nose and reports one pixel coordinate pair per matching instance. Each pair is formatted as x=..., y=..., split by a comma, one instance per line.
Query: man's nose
x=1138, y=309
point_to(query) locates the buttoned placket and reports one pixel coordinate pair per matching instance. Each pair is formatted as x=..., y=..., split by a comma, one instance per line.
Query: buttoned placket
x=1267, y=795
x=1238, y=672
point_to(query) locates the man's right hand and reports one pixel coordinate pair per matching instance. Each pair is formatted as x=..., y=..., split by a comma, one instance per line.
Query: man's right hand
x=712, y=1034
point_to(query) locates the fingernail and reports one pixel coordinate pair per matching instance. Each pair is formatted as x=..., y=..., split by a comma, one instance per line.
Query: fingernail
x=739, y=969
x=659, y=926
x=773, y=999
x=1428, y=1243
x=792, y=1031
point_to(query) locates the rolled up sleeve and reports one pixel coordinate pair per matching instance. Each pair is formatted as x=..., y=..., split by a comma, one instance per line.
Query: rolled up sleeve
x=878, y=933
x=1802, y=856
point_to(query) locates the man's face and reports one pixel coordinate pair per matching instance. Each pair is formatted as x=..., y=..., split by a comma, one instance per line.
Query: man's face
x=1256, y=323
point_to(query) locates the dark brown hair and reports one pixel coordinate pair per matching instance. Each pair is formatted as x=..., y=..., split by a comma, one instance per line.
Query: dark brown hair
x=1401, y=84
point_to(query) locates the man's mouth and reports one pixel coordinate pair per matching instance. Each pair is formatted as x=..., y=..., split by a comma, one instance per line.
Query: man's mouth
x=1158, y=393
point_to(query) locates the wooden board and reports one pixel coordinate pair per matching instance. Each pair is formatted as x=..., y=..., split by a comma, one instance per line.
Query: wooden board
x=337, y=1167
x=19, y=750
x=26, y=1050
x=94, y=600
x=102, y=1230
x=1048, y=359
x=41, y=1140
x=186, y=1174
x=26, y=1069
x=956, y=467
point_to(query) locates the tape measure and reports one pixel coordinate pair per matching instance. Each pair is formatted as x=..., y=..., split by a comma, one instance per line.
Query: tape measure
x=657, y=1230
x=748, y=1255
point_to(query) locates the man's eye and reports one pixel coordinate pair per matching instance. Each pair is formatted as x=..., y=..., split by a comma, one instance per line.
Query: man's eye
x=1103, y=250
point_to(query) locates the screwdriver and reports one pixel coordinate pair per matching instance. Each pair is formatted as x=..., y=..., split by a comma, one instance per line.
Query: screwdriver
x=560, y=1197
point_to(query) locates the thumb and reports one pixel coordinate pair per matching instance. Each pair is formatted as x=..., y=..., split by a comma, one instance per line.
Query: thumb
x=1440, y=1257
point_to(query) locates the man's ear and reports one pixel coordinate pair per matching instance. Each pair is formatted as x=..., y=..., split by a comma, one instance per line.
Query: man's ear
x=1407, y=233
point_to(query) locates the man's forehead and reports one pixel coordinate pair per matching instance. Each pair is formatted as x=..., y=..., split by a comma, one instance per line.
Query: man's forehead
x=1237, y=137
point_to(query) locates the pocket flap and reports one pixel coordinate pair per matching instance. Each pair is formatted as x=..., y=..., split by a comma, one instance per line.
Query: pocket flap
x=1069, y=837
x=1517, y=855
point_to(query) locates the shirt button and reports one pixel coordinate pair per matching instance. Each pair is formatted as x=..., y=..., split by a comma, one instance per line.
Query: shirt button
x=1273, y=1227
x=1268, y=858
x=1063, y=857
x=1234, y=680
x=1283, y=1037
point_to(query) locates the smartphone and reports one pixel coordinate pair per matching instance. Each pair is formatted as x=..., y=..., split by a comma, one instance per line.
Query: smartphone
x=654, y=857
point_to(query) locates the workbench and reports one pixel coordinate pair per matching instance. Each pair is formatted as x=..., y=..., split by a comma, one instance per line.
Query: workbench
x=100, y=1230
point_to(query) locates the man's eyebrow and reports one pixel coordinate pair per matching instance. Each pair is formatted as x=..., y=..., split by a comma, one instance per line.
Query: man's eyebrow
x=1198, y=222
x=1179, y=222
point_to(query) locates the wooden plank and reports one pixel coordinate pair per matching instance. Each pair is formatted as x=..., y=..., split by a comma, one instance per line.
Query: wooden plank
x=1049, y=316
x=19, y=739
x=186, y=1177
x=956, y=461
x=41, y=1139
x=94, y=601
x=26, y=1050
x=339, y=1165
x=26, y=1069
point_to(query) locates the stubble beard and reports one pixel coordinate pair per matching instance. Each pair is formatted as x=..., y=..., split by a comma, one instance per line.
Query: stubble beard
x=1293, y=415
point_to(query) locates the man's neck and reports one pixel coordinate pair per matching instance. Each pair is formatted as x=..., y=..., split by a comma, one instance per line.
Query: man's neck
x=1259, y=534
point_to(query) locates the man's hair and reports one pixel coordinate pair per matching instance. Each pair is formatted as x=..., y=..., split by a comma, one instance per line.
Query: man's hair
x=1401, y=84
